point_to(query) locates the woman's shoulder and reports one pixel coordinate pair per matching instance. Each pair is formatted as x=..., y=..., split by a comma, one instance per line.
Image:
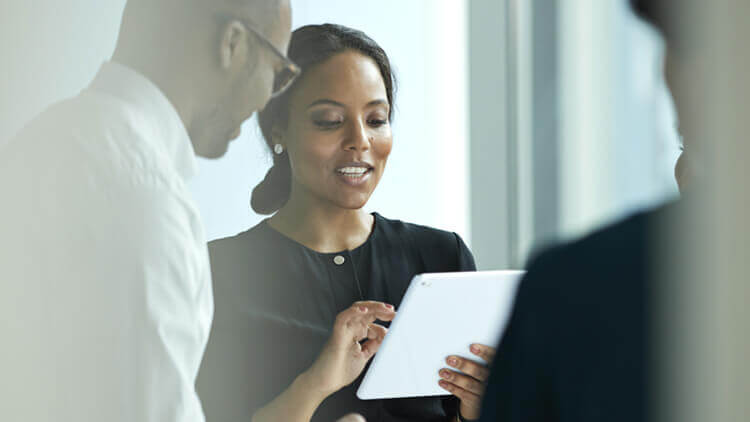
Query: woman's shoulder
x=420, y=234
x=253, y=238
x=439, y=250
x=237, y=256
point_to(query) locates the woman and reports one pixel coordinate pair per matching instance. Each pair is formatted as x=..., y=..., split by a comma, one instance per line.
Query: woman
x=298, y=296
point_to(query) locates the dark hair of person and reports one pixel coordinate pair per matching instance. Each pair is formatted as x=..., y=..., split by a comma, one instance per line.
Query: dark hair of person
x=309, y=46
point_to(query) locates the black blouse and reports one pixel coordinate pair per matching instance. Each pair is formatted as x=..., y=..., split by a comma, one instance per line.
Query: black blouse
x=276, y=301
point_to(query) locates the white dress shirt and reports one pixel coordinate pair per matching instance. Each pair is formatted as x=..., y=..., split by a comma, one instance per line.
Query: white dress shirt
x=105, y=289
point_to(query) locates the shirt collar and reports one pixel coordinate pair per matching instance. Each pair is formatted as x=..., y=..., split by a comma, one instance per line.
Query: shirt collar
x=163, y=120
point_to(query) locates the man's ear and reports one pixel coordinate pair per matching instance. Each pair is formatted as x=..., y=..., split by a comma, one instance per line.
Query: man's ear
x=233, y=48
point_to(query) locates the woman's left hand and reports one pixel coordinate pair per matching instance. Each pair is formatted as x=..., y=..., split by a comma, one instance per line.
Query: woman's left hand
x=468, y=385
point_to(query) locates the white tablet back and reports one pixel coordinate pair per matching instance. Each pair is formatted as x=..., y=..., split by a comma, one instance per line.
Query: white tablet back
x=440, y=315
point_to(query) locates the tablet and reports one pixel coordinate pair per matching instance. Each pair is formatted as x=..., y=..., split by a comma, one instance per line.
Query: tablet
x=440, y=315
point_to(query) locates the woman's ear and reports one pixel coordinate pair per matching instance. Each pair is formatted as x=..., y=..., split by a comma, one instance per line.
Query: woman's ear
x=233, y=49
x=278, y=135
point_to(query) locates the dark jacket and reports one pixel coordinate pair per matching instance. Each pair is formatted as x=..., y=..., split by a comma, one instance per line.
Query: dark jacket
x=577, y=345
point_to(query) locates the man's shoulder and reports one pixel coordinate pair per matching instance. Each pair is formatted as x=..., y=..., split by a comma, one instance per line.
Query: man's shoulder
x=92, y=136
x=423, y=236
x=620, y=250
x=255, y=238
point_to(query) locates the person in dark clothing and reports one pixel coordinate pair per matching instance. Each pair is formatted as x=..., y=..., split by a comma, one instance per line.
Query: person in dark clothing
x=578, y=350
x=298, y=295
x=578, y=345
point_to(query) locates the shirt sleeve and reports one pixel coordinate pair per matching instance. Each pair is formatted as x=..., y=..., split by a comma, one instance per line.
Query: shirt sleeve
x=116, y=311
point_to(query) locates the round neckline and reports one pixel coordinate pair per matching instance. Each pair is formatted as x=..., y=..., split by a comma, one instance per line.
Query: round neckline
x=370, y=237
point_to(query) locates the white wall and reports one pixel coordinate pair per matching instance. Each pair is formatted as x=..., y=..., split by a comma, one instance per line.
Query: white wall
x=50, y=50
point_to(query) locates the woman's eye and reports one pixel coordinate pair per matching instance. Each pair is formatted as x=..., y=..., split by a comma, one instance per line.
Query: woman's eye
x=377, y=122
x=326, y=124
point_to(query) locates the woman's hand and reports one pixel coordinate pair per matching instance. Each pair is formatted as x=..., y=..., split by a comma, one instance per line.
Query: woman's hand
x=338, y=365
x=468, y=385
x=343, y=357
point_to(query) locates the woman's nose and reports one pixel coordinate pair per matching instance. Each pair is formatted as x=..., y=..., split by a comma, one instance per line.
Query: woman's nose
x=357, y=138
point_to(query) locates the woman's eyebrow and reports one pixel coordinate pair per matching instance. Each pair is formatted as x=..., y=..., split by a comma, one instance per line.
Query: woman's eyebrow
x=377, y=102
x=325, y=101
x=338, y=104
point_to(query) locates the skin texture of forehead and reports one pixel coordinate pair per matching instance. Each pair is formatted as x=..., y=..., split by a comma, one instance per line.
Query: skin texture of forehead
x=349, y=66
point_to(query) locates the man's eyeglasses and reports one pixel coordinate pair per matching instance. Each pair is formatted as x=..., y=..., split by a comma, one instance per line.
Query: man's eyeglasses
x=289, y=71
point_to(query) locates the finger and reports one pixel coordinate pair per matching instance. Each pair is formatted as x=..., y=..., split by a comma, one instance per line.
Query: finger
x=469, y=367
x=353, y=417
x=357, y=314
x=373, y=304
x=383, y=311
x=352, y=324
x=362, y=329
x=466, y=397
x=373, y=332
x=483, y=351
x=464, y=381
x=350, y=313
x=376, y=331
x=370, y=347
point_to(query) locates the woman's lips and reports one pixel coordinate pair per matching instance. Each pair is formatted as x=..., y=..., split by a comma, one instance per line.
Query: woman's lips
x=354, y=175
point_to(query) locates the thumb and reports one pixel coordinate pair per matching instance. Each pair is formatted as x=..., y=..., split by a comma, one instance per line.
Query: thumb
x=353, y=417
x=370, y=347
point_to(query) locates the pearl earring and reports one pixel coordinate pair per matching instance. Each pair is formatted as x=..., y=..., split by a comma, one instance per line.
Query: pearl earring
x=278, y=149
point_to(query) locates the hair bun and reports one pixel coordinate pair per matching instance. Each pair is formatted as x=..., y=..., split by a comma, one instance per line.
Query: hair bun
x=272, y=193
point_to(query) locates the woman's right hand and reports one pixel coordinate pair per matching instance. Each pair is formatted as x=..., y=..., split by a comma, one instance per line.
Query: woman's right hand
x=340, y=362
x=343, y=357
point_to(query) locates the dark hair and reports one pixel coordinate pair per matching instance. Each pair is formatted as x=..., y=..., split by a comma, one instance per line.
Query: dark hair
x=310, y=45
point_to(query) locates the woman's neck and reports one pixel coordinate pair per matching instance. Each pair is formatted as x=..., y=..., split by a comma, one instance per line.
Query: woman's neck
x=321, y=225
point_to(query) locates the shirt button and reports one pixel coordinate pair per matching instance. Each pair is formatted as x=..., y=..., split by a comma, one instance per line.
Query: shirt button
x=339, y=260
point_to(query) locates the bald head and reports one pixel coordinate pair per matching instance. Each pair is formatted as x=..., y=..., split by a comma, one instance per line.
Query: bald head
x=257, y=10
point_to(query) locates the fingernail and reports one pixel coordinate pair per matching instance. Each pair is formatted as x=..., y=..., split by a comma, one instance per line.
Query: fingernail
x=475, y=349
x=389, y=306
x=362, y=309
x=443, y=384
x=453, y=362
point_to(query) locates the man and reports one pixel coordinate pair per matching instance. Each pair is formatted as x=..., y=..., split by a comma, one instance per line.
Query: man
x=577, y=347
x=105, y=292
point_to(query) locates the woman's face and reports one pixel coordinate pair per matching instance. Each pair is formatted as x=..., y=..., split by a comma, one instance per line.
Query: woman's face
x=338, y=135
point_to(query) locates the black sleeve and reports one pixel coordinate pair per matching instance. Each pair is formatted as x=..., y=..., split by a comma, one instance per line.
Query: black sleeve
x=251, y=355
x=520, y=382
x=227, y=380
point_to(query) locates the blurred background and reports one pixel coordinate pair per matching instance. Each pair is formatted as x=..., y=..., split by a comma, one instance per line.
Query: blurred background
x=517, y=122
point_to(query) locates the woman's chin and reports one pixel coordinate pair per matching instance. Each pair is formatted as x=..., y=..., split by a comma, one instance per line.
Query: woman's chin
x=353, y=203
